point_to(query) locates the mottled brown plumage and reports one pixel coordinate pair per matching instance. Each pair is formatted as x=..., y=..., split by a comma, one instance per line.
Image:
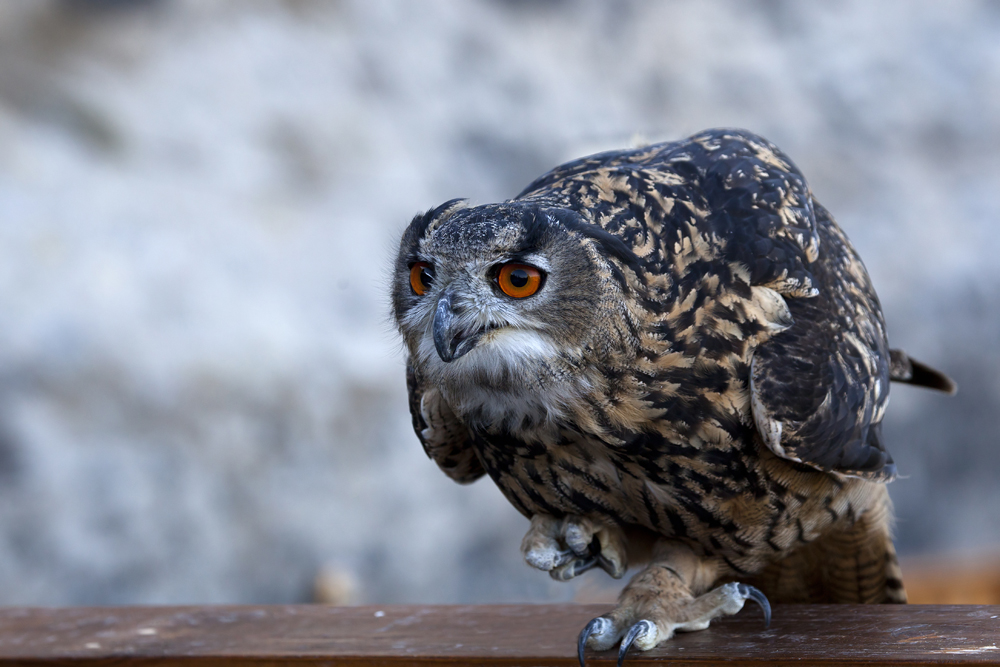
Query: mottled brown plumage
x=698, y=383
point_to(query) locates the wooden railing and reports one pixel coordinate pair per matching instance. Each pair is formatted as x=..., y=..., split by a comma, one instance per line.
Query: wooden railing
x=486, y=635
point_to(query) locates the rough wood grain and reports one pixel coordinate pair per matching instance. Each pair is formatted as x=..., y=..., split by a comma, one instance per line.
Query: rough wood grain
x=493, y=635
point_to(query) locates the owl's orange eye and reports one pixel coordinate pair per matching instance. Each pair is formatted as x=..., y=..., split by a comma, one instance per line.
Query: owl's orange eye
x=519, y=280
x=421, y=277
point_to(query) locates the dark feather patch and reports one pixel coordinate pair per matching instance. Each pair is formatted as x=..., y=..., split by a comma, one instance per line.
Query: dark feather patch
x=611, y=244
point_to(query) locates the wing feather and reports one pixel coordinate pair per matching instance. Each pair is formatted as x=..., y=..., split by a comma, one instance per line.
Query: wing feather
x=819, y=389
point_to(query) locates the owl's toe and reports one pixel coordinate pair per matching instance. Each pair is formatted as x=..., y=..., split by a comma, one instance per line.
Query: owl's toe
x=548, y=559
x=600, y=634
x=586, y=537
x=542, y=546
x=578, y=533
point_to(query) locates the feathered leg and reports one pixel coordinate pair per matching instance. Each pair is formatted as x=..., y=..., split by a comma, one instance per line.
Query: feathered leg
x=854, y=561
x=859, y=563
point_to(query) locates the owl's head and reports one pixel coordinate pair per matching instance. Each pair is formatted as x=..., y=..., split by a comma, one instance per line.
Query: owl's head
x=507, y=295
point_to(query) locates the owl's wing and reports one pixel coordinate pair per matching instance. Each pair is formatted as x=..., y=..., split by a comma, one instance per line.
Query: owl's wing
x=444, y=437
x=819, y=389
x=818, y=397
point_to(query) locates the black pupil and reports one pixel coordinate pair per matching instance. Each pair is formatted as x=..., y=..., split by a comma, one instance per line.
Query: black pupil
x=518, y=277
x=426, y=277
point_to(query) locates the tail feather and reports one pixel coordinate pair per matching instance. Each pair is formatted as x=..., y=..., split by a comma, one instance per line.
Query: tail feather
x=902, y=368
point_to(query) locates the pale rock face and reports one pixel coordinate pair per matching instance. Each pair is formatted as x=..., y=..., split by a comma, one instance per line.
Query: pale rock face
x=201, y=394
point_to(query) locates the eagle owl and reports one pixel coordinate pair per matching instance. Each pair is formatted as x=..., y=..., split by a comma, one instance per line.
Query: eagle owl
x=669, y=357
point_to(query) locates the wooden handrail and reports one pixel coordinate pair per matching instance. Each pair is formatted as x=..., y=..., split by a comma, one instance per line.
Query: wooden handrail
x=486, y=635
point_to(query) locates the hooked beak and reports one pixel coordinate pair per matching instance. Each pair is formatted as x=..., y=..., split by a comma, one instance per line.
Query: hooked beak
x=450, y=342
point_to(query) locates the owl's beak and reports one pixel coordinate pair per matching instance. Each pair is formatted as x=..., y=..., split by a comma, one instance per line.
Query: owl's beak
x=450, y=340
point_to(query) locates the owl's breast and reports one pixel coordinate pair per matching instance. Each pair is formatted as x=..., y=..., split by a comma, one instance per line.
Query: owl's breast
x=715, y=497
x=573, y=475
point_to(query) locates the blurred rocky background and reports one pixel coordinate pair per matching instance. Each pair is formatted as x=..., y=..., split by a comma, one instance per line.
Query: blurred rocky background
x=201, y=394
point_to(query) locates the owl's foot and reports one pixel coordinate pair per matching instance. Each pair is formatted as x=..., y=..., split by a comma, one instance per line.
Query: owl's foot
x=659, y=602
x=660, y=622
x=570, y=546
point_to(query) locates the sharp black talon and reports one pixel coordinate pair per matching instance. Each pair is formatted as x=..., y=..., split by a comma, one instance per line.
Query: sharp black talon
x=633, y=632
x=584, y=564
x=608, y=566
x=592, y=628
x=579, y=566
x=754, y=594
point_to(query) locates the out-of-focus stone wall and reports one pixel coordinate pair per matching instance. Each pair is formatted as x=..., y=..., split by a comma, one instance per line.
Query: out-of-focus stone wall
x=201, y=394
